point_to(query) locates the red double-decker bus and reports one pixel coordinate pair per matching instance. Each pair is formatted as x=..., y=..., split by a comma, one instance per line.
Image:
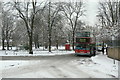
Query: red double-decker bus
x=85, y=44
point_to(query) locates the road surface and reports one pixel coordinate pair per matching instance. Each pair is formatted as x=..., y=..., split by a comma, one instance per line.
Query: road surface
x=59, y=66
x=45, y=67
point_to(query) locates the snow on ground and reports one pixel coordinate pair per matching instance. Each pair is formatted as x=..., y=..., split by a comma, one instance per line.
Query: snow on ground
x=37, y=52
x=9, y=64
x=15, y=63
x=107, y=65
x=40, y=48
x=99, y=66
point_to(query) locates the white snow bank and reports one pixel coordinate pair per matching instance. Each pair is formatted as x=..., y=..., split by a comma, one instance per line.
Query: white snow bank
x=107, y=65
x=99, y=66
x=36, y=52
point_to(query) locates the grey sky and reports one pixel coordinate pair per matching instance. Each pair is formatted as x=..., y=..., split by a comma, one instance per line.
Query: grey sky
x=92, y=8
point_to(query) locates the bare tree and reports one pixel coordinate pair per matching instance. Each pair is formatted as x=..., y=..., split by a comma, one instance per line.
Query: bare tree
x=53, y=12
x=18, y=33
x=73, y=11
x=7, y=27
x=57, y=32
x=109, y=17
x=2, y=27
x=27, y=12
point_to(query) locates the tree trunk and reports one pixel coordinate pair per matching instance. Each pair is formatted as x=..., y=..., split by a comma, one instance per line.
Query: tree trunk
x=7, y=44
x=57, y=44
x=3, y=44
x=35, y=44
x=73, y=40
x=36, y=41
x=103, y=47
x=30, y=44
x=50, y=27
x=38, y=44
x=46, y=45
x=49, y=41
x=69, y=39
x=3, y=40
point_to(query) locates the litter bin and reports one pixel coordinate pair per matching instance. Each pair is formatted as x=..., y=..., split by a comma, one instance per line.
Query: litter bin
x=67, y=46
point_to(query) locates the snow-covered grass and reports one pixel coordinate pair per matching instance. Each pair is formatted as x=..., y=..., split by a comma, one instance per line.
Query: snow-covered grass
x=99, y=66
x=52, y=48
x=36, y=52
x=40, y=48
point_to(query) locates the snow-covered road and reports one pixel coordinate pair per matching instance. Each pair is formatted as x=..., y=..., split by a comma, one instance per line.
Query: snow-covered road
x=58, y=67
x=45, y=69
x=54, y=67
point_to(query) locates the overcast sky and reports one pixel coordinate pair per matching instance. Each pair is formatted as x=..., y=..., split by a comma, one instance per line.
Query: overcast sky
x=92, y=9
